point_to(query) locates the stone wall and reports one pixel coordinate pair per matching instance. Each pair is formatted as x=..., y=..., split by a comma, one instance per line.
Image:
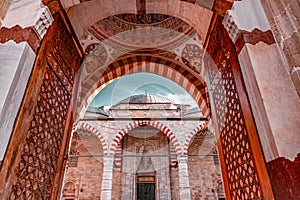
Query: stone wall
x=87, y=177
x=284, y=18
x=87, y=174
x=204, y=172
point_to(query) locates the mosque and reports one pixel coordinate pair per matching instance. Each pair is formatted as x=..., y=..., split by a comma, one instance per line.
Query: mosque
x=239, y=61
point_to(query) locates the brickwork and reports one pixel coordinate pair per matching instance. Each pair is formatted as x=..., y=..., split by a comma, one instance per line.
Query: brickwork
x=116, y=184
x=203, y=173
x=174, y=182
x=84, y=181
x=87, y=176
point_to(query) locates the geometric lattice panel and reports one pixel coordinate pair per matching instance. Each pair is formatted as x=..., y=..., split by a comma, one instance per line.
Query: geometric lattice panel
x=36, y=169
x=238, y=156
x=239, y=162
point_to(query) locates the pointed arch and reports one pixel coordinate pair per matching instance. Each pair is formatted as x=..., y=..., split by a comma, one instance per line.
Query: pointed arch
x=134, y=124
x=95, y=132
x=192, y=82
x=191, y=135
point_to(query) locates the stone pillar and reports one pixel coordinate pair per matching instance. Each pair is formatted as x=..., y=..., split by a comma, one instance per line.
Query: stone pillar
x=106, y=188
x=284, y=18
x=184, y=184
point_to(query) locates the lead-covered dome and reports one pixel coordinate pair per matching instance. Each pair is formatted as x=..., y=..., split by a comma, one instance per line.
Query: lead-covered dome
x=146, y=99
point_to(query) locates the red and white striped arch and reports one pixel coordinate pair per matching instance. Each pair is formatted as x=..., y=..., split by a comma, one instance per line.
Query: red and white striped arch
x=193, y=83
x=97, y=133
x=191, y=135
x=163, y=128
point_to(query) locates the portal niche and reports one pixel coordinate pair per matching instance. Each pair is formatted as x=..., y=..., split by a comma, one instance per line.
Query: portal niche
x=146, y=165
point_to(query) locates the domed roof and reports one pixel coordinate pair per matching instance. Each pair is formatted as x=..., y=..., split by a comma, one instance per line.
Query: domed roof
x=145, y=98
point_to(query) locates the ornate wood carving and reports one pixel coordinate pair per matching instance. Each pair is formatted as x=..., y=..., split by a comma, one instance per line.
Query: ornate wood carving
x=220, y=7
x=53, y=5
x=243, y=166
x=38, y=163
x=34, y=161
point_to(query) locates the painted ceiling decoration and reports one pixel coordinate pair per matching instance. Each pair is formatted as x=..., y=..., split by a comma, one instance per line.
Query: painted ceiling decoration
x=128, y=32
x=126, y=35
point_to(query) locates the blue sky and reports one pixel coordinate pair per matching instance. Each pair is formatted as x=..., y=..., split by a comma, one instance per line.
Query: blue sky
x=139, y=83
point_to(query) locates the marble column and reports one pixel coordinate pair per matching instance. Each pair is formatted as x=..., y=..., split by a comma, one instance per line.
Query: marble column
x=106, y=188
x=184, y=184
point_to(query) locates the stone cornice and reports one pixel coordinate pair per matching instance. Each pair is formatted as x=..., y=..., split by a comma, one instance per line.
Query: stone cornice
x=241, y=37
x=19, y=34
x=253, y=37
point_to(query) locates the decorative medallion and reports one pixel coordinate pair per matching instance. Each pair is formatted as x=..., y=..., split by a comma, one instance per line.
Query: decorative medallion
x=191, y=56
x=96, y=56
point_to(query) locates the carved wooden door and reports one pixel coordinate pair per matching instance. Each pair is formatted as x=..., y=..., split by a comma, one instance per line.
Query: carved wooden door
x=36, y=154
x=243, y=166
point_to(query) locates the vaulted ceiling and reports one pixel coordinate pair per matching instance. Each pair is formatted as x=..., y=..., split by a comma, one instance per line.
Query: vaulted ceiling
x=113, y=33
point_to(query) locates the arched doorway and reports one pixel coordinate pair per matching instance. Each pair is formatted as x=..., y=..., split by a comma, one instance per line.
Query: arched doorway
x=256, y=162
